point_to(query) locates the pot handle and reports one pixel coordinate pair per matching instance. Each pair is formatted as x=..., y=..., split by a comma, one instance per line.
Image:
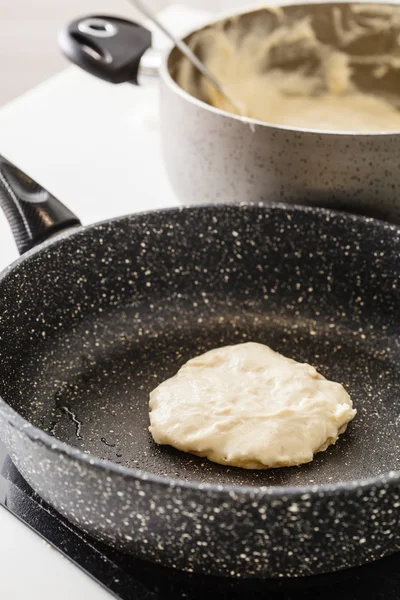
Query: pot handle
x=107, y=47
x=32, y=212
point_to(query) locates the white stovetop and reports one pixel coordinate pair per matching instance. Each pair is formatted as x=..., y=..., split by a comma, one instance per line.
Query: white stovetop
x=95, y=146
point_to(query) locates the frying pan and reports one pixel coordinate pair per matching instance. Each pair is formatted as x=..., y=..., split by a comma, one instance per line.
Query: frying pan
x=95, y=317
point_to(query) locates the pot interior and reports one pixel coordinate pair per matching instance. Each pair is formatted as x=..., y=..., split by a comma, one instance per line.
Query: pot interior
x=309, y=38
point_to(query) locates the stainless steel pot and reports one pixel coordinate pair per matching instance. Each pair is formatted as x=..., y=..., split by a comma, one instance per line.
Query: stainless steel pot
x=212, y=155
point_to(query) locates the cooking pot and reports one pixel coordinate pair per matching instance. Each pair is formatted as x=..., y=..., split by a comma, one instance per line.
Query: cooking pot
x=212, y=155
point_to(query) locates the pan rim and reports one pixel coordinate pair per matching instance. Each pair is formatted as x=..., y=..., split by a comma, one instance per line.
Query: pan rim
x=36, y=435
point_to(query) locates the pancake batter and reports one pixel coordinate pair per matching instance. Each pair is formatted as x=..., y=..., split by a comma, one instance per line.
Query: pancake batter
x=289, y=77
x=250, y=407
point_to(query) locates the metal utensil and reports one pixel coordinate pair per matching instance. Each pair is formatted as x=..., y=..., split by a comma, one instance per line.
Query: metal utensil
x=184, y=48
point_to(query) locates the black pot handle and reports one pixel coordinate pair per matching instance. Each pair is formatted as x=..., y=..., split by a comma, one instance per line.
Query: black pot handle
x=107, y=47
x=32, y=212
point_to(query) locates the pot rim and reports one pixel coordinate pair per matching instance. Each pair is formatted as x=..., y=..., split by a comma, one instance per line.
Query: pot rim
x=249, y=121
x=36, y=435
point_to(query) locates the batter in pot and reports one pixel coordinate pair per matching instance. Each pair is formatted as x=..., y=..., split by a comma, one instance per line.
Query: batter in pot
x=290, y=78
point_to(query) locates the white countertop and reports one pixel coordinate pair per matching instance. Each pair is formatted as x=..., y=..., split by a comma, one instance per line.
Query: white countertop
x=31, y=568
x=96, y=147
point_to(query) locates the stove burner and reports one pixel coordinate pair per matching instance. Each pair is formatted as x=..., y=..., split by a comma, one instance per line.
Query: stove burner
x=131, y=579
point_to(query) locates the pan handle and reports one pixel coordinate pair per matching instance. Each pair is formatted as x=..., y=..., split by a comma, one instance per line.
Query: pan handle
x=107, y=47
x=32, y=212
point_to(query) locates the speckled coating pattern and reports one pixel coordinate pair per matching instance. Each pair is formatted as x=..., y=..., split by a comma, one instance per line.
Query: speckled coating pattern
x=213, y=156
x=92, y=321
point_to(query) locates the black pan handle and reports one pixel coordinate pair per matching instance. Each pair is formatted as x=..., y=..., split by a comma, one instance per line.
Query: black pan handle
x=32, y=212
x=107, y=47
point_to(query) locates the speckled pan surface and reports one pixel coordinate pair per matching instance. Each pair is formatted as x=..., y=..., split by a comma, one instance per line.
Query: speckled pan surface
x=213, y=156
x=92, y=321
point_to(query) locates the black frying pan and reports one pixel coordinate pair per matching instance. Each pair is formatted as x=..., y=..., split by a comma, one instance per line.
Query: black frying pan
x=96, y=317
